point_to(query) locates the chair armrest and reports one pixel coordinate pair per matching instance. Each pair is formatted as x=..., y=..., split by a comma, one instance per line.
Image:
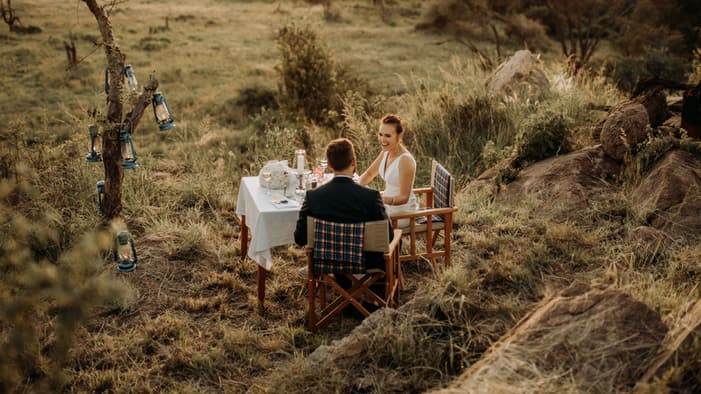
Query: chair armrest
x=426, y=193
x=422, y=190
x=424, y=212
x=394, y=245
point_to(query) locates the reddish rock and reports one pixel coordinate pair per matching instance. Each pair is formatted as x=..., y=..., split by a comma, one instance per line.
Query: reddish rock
x=625, y=127
x=565, y=181
x=669, y=196
x=583, y=340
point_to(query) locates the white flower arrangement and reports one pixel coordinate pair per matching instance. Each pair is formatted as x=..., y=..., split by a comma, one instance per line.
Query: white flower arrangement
x=279, y=171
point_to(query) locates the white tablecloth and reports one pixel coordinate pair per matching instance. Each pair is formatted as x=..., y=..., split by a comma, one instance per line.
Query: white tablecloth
x=269, y=226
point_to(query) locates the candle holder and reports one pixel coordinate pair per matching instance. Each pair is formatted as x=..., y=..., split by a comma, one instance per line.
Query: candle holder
x=162, y=112
x=131, y=78
x=125, y=252
x=100, y=194
x=128, y=152
x=93, y=155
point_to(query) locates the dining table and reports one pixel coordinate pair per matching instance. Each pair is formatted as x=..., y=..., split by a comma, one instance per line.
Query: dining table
x=270, y=219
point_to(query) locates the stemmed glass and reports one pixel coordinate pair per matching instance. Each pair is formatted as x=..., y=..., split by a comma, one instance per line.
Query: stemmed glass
x=266, y=176
x=322, y=162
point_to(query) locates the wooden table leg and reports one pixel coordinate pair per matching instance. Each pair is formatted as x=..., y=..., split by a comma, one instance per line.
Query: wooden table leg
x=261, y=286
x=244, y=237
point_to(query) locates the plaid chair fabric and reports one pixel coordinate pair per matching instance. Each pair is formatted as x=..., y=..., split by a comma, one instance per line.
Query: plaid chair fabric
x=441, y=187
x=338, y=247
x=441, y=193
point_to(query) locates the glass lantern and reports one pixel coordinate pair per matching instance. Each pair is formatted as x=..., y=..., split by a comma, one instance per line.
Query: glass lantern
x=93, y=155
x=125, y=252
x=128, y=152
x=161, y=110
x=131, y=78
x=100, y=194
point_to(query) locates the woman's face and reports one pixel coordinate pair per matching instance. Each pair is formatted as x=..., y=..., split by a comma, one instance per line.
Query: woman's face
x=388, y=137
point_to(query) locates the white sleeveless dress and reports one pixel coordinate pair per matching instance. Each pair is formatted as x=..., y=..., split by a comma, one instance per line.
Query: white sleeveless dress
x=391, y=178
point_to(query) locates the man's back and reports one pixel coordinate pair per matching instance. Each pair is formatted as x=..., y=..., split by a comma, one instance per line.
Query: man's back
x=340, y=200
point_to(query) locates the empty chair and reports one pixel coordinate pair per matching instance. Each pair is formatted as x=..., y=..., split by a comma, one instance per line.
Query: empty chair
x=431, y=221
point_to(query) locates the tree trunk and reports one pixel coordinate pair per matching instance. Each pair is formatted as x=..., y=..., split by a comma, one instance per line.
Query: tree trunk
x=111, y=147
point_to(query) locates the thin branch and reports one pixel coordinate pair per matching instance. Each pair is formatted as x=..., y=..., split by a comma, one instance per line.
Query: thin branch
x=97, y=46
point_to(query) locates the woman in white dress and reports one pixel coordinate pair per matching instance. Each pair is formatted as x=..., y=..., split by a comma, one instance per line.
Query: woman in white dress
x=396, y=166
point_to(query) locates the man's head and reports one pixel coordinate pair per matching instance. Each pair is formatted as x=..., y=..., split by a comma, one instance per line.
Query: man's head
x=340, y=154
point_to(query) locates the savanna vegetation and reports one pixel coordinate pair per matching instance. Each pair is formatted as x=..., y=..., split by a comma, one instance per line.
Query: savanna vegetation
x=250, y=81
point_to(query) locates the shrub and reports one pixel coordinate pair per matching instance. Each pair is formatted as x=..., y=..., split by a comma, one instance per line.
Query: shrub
x=43, y=303
x=249, y=102
x=307, y=85
x=455, y=130
x=543, y=135
x=628, y=71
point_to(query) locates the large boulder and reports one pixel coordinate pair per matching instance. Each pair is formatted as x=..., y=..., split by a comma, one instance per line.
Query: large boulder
x=655, y=103
x=583, y=340
x=520, y=72
x=565, y=181
x=625, y=127
x=679, y=352
x=669, y=196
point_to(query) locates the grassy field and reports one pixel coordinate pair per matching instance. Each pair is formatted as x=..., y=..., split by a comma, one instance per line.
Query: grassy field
x=186, y=320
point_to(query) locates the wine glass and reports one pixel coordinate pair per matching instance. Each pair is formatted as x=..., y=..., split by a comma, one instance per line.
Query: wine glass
x=323, y=163
x=266, y=176
x=299, y=195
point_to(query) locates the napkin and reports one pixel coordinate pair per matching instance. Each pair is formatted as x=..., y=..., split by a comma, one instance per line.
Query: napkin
x=282, y=202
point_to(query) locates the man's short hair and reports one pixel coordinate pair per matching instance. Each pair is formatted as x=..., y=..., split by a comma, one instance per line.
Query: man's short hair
x=340, y=154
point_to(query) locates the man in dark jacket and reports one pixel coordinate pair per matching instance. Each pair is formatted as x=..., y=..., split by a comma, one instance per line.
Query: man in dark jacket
x=342, y=200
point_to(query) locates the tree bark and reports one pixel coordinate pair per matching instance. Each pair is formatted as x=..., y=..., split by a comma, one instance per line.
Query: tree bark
x=111, y=147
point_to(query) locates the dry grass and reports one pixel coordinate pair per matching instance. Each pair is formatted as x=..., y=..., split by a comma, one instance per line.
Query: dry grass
x=187, y=319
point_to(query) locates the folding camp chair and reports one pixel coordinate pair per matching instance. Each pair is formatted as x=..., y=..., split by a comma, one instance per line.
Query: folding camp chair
x=433, y=219
x=337, y=249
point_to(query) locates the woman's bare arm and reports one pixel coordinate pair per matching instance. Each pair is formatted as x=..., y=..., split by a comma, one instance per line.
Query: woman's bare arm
x=371, y=172
x=407, y=169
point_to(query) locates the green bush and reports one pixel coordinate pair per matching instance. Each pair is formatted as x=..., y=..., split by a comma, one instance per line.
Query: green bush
x=249, y=102
x=307, y=85
x=454, y=130
x=628, y=71
x=543, y=135
x=43, y=302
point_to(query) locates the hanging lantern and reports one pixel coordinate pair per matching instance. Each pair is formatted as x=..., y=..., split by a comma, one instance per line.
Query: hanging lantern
x=100, y=194
x=93, y=155
x=161, y=111
x=107, y=80
x=125, y=252
x=131, y=78
x=128, y=152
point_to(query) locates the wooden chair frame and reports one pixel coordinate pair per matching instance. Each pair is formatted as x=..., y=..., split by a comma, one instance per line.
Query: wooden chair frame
x=317, y=283
x=429, y=230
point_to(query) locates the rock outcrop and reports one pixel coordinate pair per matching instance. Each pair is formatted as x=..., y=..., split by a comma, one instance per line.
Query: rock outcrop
x=625, y=127
x=519, y=72
x=565, y=181
x=583, y=340
x=669, y=196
